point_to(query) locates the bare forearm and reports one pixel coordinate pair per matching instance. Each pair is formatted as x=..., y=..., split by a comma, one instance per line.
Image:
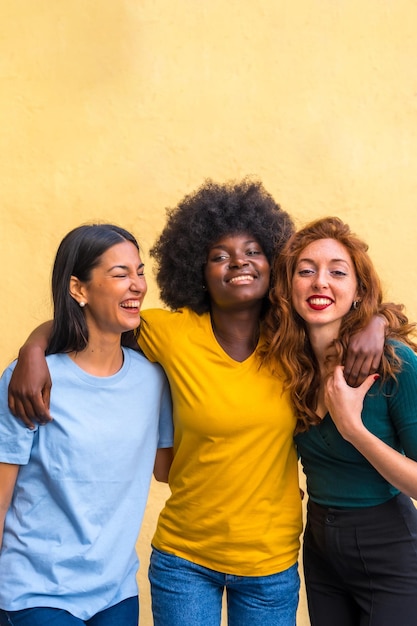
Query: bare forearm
x=345, y=405
x=30, y=384
x=162, y=465
x=365, y=351
x=38, y=337
x=397, y=469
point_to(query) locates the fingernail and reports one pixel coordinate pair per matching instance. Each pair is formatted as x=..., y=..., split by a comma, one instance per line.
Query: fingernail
x=376, y=376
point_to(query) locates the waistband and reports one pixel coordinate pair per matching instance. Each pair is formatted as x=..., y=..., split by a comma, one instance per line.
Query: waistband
x=334, y=514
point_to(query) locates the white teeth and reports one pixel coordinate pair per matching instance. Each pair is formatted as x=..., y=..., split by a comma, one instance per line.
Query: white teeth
x=320, y=301
x=239, y=279
x=130, y=305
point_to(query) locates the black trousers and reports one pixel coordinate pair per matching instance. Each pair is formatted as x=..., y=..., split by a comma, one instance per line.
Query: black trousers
x=360, y=565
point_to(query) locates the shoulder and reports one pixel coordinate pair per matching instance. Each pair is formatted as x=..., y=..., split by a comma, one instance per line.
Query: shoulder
x=404, y=353
x=164, y=322
x=161, y=332
x=406, y=378
x=137, y=362
x=150, y=316
x=137, y=359
x=7, y=373
x=59, y=362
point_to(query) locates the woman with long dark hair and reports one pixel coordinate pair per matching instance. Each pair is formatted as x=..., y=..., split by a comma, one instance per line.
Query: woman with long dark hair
x=73, y=492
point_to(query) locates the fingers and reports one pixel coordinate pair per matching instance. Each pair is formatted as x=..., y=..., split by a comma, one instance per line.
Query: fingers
x=369, y=381
x=46, y=397
x=11, y=402
x=37, y=409
x=356, y=372
x=31, y=409
x=20, y=411
x=337, y=382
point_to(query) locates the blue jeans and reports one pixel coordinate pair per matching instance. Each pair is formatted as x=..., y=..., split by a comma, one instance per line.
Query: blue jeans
x=125, y=613
x=186, y=594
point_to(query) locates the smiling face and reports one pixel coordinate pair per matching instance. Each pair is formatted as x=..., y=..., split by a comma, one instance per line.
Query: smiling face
x=114, y=294
x=237, y=272
x=324, y=284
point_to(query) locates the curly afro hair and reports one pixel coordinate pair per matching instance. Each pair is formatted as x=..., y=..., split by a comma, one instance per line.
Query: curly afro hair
x=203, y=217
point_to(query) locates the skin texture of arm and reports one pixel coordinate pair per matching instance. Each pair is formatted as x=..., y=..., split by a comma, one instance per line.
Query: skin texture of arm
x=162, y=465
x=8, y=475
x=30, y=385
x=345, y=406
x=364, y=351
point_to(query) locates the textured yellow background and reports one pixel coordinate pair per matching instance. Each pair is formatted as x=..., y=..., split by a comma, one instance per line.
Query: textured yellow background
x=113, y=110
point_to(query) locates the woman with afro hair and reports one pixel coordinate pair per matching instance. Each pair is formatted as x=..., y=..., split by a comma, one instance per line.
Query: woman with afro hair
x=233, y=519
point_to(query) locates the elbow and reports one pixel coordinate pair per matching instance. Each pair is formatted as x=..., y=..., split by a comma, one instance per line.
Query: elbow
x=160, y=477
x=162, y=465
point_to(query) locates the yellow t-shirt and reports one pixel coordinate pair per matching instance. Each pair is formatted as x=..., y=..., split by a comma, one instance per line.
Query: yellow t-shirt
x=235, y=505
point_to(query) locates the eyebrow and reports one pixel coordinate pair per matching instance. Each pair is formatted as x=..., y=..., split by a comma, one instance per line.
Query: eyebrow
x=224, y=246
x=331, y=261
x=125, y=267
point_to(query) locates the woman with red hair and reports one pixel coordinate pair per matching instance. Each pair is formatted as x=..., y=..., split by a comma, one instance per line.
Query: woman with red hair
x=358, y=446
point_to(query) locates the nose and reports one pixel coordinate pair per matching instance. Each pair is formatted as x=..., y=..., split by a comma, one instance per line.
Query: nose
x=138, y=285
x=321, y=280
x=237, y=261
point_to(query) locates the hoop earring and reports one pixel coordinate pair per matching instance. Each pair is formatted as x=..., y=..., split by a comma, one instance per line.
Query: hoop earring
x=355, y=305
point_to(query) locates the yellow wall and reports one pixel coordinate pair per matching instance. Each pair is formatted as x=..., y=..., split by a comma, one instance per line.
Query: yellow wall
x=113, y=110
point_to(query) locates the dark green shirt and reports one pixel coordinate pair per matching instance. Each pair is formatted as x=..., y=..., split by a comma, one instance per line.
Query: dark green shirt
x=337, y=474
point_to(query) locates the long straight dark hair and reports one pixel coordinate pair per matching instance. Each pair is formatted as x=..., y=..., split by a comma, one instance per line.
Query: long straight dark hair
x=78, y=254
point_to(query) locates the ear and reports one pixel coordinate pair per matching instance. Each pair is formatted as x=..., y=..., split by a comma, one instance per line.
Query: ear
x=77, y=290
x=358, y=294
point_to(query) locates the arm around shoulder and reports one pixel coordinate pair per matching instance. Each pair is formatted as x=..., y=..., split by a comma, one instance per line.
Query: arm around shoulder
x=30, y=385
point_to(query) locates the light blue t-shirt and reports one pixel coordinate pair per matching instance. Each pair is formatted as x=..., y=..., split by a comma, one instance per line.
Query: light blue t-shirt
x=70, y=533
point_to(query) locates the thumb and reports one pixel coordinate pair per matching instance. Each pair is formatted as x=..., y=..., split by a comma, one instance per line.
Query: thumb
x=338, y=374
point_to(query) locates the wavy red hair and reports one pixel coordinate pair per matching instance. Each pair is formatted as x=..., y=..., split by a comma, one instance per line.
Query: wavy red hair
x=287, y=341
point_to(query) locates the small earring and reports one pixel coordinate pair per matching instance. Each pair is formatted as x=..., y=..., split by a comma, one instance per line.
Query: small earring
x=82, y=304
x=203, y=287
x=355, y=305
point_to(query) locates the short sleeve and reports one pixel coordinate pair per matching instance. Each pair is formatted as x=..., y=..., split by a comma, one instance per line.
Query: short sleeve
x=166, y=427
x=16, y=439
